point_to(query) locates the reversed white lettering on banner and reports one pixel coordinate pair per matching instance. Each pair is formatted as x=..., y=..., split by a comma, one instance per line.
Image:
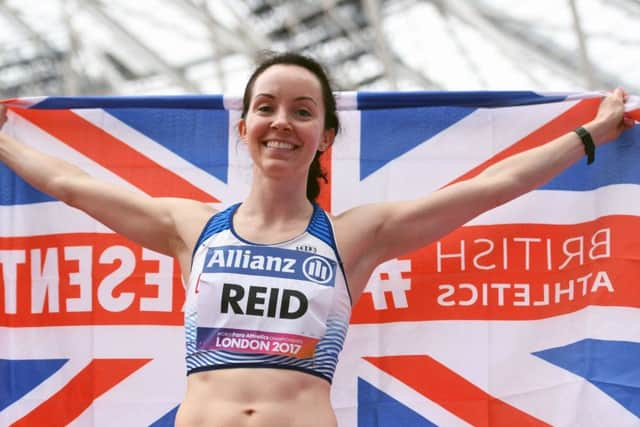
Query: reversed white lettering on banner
x=49, y=270
x=523, y=294
x=520, y=252
x=387, y=279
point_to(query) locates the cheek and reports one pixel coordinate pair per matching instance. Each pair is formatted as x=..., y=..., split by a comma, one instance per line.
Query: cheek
x=312, y=132
x=255, y=127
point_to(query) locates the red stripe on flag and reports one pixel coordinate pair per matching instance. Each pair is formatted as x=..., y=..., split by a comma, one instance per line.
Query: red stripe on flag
x=79, y=393
x=113, y=154
x=570, y=119
x=19, y=102
x=453, y=392
x=634, y=114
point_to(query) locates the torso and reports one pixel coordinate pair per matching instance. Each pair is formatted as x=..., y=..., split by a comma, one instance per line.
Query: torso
x=256, y=397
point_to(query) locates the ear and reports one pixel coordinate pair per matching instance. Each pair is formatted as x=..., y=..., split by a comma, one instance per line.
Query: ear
x=327, y=139
x=242, y=130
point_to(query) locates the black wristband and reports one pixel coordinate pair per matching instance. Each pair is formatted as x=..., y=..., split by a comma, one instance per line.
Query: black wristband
x=587, y=141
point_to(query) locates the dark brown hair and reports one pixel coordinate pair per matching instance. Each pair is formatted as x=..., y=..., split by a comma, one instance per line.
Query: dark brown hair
x=331, y=120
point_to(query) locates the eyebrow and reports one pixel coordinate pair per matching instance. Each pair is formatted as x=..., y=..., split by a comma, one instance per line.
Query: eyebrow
x=299, y=98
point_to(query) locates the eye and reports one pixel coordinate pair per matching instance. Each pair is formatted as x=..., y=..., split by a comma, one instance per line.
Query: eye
x=303, y=112
x=264, y=108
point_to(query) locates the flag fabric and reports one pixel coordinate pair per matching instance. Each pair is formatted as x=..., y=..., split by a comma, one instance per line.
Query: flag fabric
x=527, y=315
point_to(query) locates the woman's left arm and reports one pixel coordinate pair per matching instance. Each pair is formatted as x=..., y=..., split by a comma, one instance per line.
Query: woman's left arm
x=530, y=169
x=395, y=228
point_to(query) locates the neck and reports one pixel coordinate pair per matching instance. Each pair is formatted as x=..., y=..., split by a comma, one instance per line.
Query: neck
x=277, y=199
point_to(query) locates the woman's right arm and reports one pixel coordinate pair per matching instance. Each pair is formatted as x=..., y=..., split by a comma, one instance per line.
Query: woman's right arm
x=167, y=225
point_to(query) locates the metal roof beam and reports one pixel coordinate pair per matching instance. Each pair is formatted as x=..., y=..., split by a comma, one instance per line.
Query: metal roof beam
x=511, y=46
x=177, y=75
x=460, y=46
x=22, y=25
x=355, y=35
x=585, y=63
x=228, y=40
x=629, y=6
x=547, y=52
x=372, y=9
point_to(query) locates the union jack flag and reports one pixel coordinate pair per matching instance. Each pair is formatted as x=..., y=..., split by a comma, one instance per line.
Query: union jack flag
x=527, y=315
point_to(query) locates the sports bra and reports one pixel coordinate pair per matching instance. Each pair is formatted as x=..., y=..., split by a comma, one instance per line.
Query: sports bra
x=284, y=305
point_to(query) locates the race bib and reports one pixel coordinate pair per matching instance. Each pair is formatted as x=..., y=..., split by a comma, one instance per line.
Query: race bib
x=260, y=299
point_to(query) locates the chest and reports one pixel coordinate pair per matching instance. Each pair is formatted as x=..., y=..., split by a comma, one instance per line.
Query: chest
x=266, y=234
x=276, y=299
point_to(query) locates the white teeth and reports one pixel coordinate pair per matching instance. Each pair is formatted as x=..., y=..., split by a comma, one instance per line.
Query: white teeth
x=280, y=144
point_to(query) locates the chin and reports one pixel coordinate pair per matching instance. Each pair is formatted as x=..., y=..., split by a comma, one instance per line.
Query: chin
x=278, y=169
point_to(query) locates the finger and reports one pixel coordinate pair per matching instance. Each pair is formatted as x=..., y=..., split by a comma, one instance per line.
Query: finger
x=619, y=93
x=625, y=94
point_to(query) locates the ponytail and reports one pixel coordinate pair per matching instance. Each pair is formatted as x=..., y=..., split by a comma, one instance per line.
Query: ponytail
x=313, y=179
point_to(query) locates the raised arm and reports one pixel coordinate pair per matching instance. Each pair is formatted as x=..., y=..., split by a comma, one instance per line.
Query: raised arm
x=166, y=225
x=373, y=233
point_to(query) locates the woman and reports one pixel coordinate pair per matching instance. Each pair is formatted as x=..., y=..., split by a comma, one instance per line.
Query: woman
x=271, y=281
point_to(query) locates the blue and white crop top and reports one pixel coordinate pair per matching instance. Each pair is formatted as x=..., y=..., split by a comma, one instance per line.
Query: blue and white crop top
x=284, y=305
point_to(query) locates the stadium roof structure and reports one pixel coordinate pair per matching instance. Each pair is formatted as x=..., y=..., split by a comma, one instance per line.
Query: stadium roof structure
x=119, y=47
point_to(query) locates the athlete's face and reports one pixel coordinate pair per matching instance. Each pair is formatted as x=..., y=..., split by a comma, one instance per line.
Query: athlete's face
x=284, y=125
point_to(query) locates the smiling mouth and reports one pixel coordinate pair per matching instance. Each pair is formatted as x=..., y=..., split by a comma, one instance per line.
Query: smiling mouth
x=281, y=145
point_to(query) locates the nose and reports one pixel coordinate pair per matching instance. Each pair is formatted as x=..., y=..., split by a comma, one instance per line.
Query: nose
x=280, y=121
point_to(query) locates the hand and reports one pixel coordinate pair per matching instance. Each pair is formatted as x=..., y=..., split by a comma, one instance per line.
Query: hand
x=3, y=115
x=610, y=120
